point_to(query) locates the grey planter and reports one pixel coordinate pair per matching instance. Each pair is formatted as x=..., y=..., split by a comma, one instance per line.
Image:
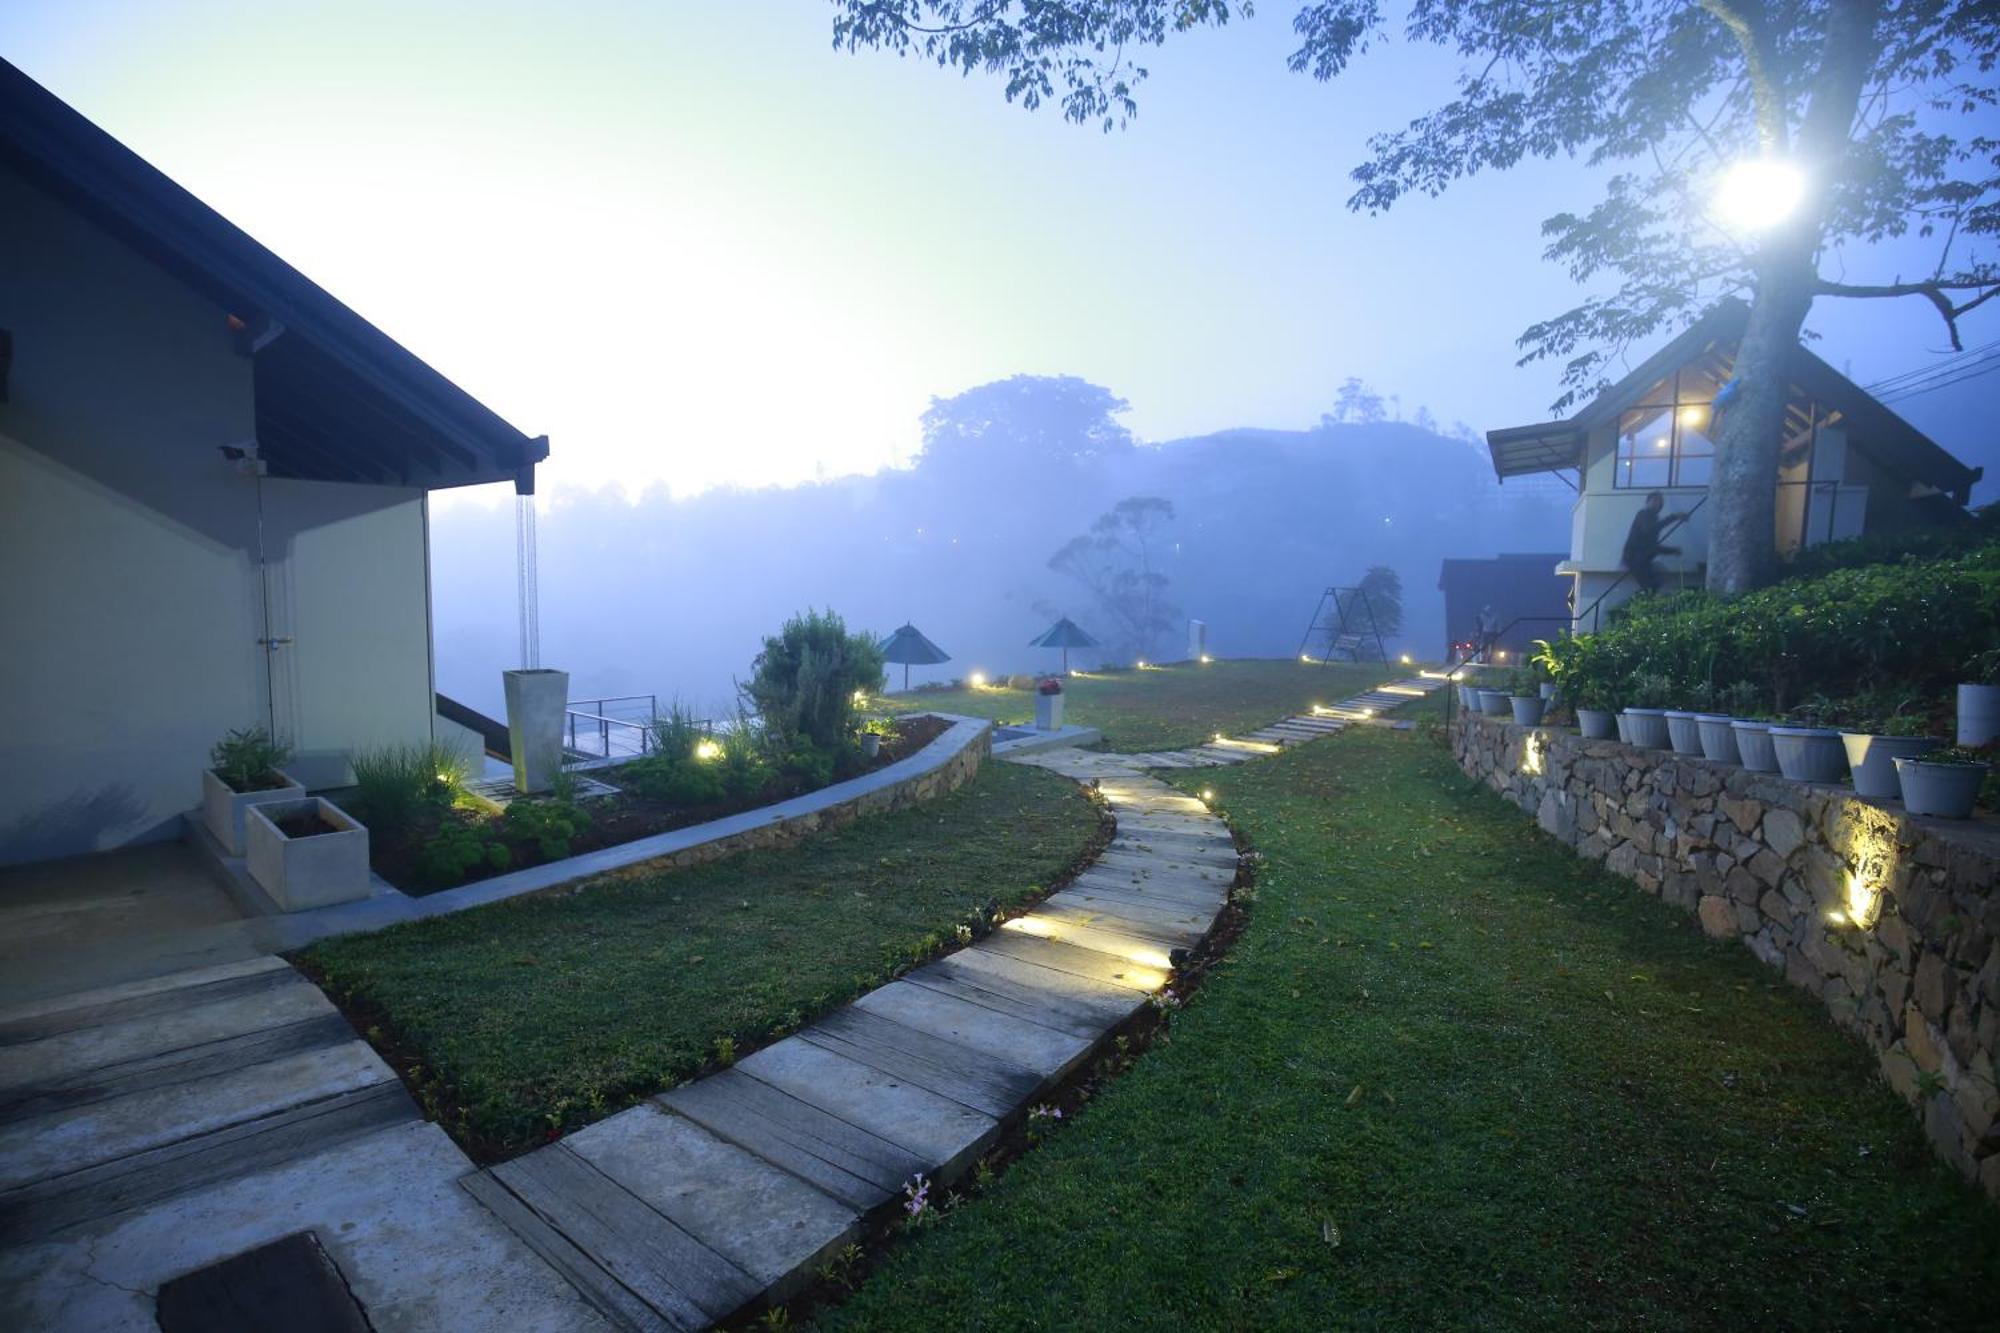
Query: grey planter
x=317, y=871
x=1495, y=703
x=1646, y=727
x=1049, y=712
x=1624, y=726
x=1468, y=698
x=1597, y=724
x=1809, y=754
x=1944, y=790
x=1753, y=746
x=1548, y=691
x=871, y=744
x=1873, y=761
x=1684, y=731
x=1718, y=738
x=1978, y=714
x=223, y=807
x=537, y=703
x=1528, y=709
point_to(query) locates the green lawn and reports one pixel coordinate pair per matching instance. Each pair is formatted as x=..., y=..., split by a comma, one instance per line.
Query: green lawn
x=1165, y=708
x=1451, y=1075
x=552, y=1011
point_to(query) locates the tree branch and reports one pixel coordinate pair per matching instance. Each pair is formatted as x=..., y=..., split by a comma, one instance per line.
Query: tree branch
x=1937, y=293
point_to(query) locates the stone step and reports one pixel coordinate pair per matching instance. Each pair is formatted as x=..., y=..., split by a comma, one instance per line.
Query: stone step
x=1138, y=950
x=1074, y=960
x=1062, y=1000
x=1008, y=1037
x=969, y=1077
x=1175, y=927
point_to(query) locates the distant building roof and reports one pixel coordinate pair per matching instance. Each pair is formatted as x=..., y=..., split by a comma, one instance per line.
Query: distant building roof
x=337, y=399
x=1891, y=441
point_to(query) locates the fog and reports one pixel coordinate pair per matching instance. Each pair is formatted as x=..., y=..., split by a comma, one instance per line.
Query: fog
x=666, y=596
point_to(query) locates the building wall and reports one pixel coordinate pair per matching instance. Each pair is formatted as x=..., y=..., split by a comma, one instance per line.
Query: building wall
x=131, y=600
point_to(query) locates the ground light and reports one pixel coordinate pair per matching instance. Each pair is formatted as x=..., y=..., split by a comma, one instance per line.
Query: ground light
x=1405, y=659
x=1206, y=659
x=707, y=748
x=1758, y=193
x=977, y=680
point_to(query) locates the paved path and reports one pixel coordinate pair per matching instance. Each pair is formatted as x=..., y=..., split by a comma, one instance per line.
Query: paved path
x=150, y=1130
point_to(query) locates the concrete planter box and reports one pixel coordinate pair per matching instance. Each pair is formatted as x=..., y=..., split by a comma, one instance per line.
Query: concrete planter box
x=1528, y=709
x=1873, y=760
x=1718, y=738
x=1945, y=790
x=1753, y=746
x=1809, y=754
x=1048, y=712
x=223, y=807
x=1597, y=724
x=1978, y=714
x=315, y=871
x=537, y=702
x=1684, y=731
x=1646, y=727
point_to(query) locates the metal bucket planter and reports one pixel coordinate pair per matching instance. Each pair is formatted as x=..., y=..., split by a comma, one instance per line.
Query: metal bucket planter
x=1597, y=724
x=1809, y=754
x=1718, y=738
x=1528, y=709
x=1941, y=789
x=1495, y=703
x=1684, y=731
x=223, y=807
x=1873, y=760
x=314, y=871
x=1753, y=746
x=1978, y=714
x=1646, y=727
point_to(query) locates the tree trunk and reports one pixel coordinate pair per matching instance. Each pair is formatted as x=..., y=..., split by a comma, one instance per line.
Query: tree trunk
x=1743, y=530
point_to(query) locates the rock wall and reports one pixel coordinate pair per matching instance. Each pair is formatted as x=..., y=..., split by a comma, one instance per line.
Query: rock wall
x=1893, y=921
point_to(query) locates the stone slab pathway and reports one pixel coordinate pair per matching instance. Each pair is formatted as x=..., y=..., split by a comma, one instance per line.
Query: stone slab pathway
x=153, y=1130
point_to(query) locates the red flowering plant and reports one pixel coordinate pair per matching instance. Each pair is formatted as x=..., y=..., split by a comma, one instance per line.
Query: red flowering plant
x=1049, y=685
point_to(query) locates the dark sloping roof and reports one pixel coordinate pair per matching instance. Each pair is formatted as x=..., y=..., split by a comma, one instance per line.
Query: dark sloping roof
x=1872, y=428
x=908, y=647
x=1063, y=634
x=336, y=397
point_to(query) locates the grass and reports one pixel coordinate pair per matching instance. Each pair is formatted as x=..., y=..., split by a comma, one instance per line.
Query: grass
x=1166, y=708
x=548, y=1012
x=1452, y=1075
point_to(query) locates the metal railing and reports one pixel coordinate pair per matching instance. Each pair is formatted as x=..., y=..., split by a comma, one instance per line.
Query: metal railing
x=613, y=728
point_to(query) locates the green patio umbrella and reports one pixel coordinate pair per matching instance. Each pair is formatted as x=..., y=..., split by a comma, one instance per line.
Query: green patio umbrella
x=1065, y=635
x=909, y=646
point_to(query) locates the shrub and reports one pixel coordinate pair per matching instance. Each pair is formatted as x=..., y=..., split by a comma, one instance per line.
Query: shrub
x=803, y=684
x=457, y=849
x=550, y=825
x=247, y=760
x=745, y=769
x=394, y=784
x=681, y=768
x=1941, y=541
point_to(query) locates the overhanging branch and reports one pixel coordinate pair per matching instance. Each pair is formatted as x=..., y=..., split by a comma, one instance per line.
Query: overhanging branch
x=1937, y=292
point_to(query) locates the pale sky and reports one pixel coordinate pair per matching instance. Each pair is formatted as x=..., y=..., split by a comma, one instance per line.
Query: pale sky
x=695, y=245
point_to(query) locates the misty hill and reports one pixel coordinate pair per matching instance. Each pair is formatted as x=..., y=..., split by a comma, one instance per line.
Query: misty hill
x=672, y=596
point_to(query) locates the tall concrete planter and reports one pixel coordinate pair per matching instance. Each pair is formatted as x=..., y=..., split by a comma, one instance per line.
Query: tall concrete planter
x=223, y=807
x=314, y=871
x=1049, y=712
x=537, y=702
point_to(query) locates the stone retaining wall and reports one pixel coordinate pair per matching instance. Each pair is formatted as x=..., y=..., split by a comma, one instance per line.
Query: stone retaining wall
x=1893, y=921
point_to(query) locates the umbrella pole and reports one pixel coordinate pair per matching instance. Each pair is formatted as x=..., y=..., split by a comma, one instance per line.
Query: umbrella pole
x=1065, y=659
x=906, y=677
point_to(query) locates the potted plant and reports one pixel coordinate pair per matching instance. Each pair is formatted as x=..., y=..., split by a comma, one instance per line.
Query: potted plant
x=307, y=852
x=1718, y=730
x=873, y=732
x=1806, y=751
x=1646, y=717
x=1525, y=698
x=1944, y=783
x=1049, y=704
x=244, y=770
x=1979, y=701
x=537, y=706
x=1872, y=754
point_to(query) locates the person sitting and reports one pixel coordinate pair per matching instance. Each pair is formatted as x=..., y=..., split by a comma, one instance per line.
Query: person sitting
x=1643, y=544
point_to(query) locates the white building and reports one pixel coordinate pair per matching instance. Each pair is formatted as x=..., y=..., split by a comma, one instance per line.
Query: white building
x=213, y=512
x=1847, y=466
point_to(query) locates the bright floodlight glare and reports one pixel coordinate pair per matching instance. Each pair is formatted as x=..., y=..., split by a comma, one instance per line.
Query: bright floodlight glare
x=1759, y=192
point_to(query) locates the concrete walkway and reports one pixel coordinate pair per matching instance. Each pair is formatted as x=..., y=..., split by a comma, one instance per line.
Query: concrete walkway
x=153, y=1129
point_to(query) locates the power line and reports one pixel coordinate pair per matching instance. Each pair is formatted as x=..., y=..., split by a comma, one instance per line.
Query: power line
x=1956, y=374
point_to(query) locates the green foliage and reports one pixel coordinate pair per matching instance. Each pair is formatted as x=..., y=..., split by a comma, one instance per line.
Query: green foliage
x=879, y=726
x=1940, y=541
x=1117, y=563
x=460, y=847
x=550, y=825
x=746, y=768
x=248, y=759
x=1903, y=629
x=395, y=784
x=802, y=687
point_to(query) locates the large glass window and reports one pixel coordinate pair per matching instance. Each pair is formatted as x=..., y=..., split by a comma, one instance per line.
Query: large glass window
x=1666, y=443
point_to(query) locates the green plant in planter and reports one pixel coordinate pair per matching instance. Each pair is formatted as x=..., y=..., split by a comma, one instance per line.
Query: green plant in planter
x=879, y=726
x=458, y=848
x=548, y=824
x=249, y=760
x=1649, y=690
